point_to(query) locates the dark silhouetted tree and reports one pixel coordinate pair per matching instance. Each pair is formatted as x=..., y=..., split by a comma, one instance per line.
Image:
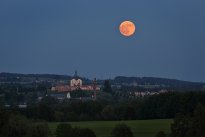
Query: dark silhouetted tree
x=185, y=126
x=108, y=113
x=161, y=134
x=64, y=130
x=85, y=132
x=46, y=112
x=181, y=126
x=39, y=130
x=121, y=130
x=199, y=121
x=107, y=86
x=3, y=120
x=17, y=126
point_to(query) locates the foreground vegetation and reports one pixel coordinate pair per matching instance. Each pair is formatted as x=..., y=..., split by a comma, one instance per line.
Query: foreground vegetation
x=112, y=108
x=189, y=125
x=140, y=128
x=105, y=115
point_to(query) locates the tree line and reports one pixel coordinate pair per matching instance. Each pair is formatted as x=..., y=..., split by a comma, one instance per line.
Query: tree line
x=160, y=106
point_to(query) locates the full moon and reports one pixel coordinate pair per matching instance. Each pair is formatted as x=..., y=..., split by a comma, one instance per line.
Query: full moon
x=127, y=28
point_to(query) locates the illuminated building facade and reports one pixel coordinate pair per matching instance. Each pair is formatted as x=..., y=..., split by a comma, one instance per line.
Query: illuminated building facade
x=75, y=84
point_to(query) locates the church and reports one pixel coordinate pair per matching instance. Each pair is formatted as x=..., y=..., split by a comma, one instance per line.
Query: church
x=76, y=84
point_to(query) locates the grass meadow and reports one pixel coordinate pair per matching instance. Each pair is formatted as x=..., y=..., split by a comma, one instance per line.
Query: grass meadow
x=140, y=128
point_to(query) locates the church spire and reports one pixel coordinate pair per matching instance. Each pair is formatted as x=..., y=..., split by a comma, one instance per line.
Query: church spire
x=76, y=74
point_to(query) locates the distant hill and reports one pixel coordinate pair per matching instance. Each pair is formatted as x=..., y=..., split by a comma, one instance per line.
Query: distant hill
x=16, y=77
x=119, y=80
x=161, y=82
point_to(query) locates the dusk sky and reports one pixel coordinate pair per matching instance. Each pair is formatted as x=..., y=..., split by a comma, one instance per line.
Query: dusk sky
x=59, y=36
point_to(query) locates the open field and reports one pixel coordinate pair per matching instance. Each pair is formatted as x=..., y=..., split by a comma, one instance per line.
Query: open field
x=140, y=128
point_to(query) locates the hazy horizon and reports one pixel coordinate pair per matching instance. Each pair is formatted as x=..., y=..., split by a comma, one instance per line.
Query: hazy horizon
x=101, y=77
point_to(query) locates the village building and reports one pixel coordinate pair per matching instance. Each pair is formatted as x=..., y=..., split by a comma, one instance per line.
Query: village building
x=75, y=84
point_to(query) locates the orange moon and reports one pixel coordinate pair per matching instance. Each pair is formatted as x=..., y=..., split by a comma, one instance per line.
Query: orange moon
x=127, y=28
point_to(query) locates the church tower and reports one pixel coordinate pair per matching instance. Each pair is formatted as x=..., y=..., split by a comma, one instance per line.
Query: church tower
x=76, y=81
x=76, y=75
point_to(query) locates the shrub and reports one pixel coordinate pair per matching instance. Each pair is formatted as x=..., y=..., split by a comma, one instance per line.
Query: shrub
x=64, y=130
x=39, y=130
x=17, y=126
x=121, y=130
x=161, y=134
